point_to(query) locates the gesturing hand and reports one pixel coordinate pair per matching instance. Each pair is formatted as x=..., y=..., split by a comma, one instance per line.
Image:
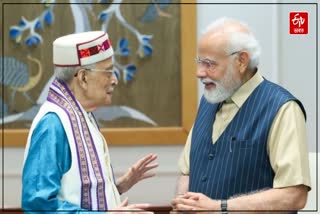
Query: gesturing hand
x=131, y=209
x=136, y=173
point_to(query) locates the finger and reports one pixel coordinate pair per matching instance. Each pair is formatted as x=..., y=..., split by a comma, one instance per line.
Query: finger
x=124, y=202
x=146, y=160
x=142, y=170
x=139, y=206
x=185, y=207
x=194, y=195
x=173, y=205
x=149, y=167
x=196, y=198
x=148, y=175
x=184, y=212
x=187, y=202
x=175, y=201
x=152, y=158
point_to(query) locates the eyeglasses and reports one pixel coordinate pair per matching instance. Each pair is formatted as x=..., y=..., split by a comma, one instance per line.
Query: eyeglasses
x=208, y=63
x=100, y=70
x=97, y=70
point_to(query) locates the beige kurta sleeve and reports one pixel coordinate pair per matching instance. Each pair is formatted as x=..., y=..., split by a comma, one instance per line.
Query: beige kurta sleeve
x=287, y=147
x=184, y=161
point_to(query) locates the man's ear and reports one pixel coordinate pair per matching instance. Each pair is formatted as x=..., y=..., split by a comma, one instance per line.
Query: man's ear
x=82, y=78
x=243, y=60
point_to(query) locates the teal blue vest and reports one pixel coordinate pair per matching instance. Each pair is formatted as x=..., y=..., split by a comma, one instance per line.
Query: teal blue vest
x=238, y=162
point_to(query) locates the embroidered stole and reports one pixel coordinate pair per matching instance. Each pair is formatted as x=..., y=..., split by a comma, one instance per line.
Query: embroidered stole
x=60, y=95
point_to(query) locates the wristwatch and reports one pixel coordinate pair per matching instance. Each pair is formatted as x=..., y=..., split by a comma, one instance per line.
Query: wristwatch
x=224, y=206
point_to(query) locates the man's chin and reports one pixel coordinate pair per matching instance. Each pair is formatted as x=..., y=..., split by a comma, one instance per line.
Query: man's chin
x=214, y=99
x=107, y=102
x=211, y=99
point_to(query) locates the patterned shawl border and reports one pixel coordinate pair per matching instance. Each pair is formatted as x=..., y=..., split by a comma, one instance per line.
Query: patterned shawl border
x=102, y=202
x=59, y=100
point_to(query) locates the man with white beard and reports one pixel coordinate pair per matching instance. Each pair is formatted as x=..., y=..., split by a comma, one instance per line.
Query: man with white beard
x=247, y=150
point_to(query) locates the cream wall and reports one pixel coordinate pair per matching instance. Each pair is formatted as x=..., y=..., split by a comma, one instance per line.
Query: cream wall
x=288, y=60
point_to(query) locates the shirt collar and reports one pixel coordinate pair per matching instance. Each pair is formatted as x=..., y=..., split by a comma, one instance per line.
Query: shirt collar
x=241, y=95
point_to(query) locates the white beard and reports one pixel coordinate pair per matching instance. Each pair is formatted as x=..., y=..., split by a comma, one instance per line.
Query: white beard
x=224, y=89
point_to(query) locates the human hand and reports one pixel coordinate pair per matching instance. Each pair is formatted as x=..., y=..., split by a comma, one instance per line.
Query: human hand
x=125, y=208
x=137, y=172
x=191, y=202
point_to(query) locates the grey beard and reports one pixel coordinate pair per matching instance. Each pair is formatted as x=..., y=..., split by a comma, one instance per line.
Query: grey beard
x=220, y=93
x=216, y=95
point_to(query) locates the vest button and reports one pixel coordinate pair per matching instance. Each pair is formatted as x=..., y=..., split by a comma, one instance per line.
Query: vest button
x=210, y=156
x=204, y=178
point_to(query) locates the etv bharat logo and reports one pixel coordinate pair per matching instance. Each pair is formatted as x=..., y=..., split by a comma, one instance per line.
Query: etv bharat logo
x=298, y=22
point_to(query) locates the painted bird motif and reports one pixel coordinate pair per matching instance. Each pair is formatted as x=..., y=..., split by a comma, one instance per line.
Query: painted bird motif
x=15, y=75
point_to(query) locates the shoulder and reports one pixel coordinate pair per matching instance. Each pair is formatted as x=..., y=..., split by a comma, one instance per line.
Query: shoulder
x=276, y=89
x=51, y=120
x=49, y=123
x=283, y=96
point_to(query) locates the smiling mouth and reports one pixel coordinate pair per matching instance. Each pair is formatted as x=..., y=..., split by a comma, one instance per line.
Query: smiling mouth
x=209, y=85
x=110, y=91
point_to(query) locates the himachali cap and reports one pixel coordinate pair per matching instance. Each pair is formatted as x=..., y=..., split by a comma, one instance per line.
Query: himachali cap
x=81, y=49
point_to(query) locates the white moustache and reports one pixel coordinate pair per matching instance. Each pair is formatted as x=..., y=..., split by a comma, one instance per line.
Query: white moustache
x=110, y=90
x=207, y=81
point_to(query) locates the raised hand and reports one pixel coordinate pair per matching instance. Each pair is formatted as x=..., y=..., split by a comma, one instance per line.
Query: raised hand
x=137, y=172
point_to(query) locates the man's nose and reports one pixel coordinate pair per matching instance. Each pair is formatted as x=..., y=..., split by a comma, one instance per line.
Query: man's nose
x=114, y=80
x=201, y=72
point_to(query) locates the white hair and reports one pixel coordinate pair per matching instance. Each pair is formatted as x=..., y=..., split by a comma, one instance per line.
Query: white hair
x=238, y=40
x=67, y=73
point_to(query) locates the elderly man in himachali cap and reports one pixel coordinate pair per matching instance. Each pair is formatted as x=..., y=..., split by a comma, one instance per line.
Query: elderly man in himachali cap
x=67, y=163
